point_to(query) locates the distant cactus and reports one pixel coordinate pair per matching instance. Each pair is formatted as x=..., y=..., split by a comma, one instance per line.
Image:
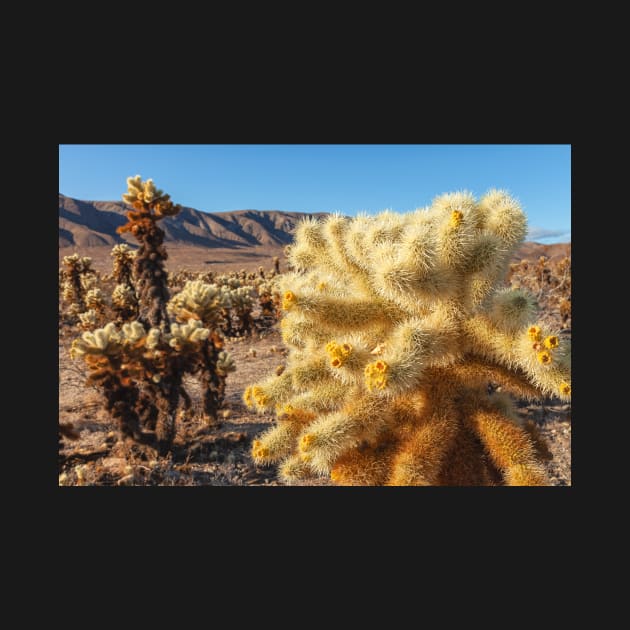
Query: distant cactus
x=396, y=324
x=124, y=258
x=76, y=278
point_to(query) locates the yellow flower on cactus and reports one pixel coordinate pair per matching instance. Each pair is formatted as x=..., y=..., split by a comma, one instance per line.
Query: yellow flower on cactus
x=544, y=357
x=247, y=397
x=258, y=450
x=376, y=375
x=288, y=300
x=565, y=389
x=534, y=333
x=551, y=342
x=259, y=396
x=456, y=218
x=306, y=441
x=338, y=353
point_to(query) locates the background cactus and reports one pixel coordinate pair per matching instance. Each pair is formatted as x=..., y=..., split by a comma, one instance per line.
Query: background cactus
x=76, y=278
x=396, y=325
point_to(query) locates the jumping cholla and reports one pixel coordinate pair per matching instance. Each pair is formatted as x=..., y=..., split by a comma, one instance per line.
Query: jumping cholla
x=124, y=258
x=396, y=326
x=77, y=278
x=140, y=365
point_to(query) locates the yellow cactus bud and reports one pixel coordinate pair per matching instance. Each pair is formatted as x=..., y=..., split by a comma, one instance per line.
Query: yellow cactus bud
x=456, y=218
x=544, y=357
x=338, y=353
x=259, y=396
x=534, y=333
x=565, y=389
x=288, y=300
x=247, y=397
x=551, y=342
x=306, y=442
x=376, y=375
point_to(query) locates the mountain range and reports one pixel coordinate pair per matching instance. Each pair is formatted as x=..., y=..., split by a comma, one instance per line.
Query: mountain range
x=93, y=223
x=240, y=238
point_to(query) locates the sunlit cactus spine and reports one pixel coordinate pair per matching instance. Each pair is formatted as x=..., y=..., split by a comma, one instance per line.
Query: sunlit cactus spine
x=396, y=325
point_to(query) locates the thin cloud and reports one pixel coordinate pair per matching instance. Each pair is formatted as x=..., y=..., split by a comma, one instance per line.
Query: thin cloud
x=543, y=235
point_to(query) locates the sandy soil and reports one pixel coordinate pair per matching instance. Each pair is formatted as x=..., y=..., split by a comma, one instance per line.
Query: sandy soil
x=220, y=260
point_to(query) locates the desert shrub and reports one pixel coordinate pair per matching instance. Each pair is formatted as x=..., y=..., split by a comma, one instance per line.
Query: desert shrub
x=396, y=325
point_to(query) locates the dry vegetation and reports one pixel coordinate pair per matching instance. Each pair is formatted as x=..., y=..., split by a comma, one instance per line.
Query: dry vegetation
x=217, y=450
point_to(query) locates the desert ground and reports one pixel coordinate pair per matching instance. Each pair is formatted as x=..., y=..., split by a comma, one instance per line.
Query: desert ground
x=217, y=454
x=197, y=259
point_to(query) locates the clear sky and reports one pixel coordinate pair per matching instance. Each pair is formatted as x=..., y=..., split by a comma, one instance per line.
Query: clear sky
x=329, y=178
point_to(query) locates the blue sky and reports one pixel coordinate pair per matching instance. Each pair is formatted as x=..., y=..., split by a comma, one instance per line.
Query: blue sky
x=328, y=178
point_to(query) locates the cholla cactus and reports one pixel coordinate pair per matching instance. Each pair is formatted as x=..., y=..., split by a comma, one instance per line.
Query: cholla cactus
x=268, y=297
x=276, y=264
x=76, y=278
x=88, y=320
x=241, y=306
x=199, y=302
x=124, y=302
x=206, y=302
x=140, y=365
x=150, y=205
x=396, y=325
x=95, y=300
x=124, y=258
x=124, y=299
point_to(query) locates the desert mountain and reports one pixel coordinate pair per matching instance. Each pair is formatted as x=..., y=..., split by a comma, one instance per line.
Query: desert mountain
x=238, y=239
x=93, y=223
